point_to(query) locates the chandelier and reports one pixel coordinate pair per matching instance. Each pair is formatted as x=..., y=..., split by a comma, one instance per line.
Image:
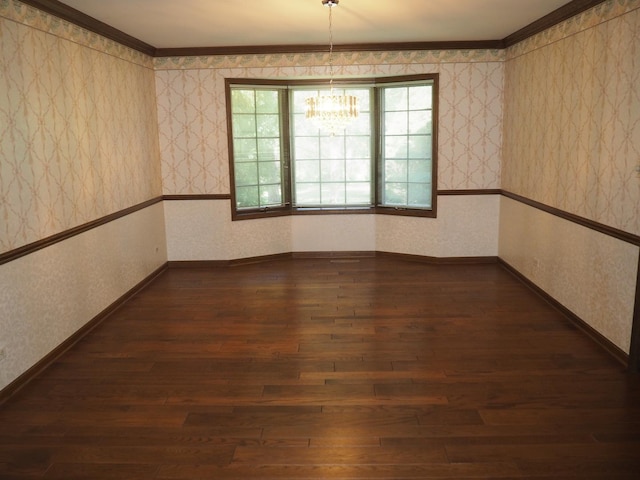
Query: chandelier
x=332, y=112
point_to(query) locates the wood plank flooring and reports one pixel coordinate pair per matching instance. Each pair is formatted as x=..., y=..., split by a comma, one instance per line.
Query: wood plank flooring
x=370, y=368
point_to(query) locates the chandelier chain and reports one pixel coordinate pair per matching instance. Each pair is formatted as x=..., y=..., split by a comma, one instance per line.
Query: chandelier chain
x=331, y=112
x=331, y=48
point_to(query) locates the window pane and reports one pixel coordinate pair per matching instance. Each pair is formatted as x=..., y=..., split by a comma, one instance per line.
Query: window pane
x=244, y=126
x=358, y=170
x=419, y=195
x=268, y=149
x=359, y=147
x=339, y=162
x=246, y=173
x=332, y=171
x=245, y=149
x=395, y=193
x=419, y=146
x=268, y=125
x=396, y=99
x=307, y=194
x=359, y=193
x=407, y=146
x=247, y=196
x=361, y=125
x=396, y=123
x=267, y=101
x=269, y=172
x=420, y=171
x=257, y=153
x=299, y=103
x=308, y=171
x=307, y=148
x=396, y=147
x=420, y=122
x=270, y=195
x=420, y=97
x=242, y=101
x=333, y=194
x=395, y=171
x=332, y=147
x=302, y=126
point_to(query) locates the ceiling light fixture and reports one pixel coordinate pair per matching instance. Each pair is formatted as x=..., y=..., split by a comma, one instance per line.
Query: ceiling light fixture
x=332, y=113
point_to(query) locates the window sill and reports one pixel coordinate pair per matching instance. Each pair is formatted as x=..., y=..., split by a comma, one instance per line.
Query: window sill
x=366, y=210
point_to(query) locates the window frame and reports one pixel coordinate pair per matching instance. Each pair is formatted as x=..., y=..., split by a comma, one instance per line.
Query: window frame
x=376, y=84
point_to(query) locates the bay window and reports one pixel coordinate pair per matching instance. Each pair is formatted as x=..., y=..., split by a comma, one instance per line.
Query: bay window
x=382, y=162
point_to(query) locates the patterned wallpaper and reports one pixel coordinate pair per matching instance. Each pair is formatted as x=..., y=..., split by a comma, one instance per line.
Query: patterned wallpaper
x=572, y=116
x=78, y=128
x=192, y=115
x=79, y=140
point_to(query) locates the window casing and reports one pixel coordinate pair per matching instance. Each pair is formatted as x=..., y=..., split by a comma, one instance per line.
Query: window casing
x=383, y=162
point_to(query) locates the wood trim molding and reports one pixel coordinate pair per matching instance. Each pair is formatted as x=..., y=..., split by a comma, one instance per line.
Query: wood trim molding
x=226, y=263
x=439, y=260
x=59, y=237
x=208, y=196
x=227, y=196
x=563, y=13
x=634, y=349
x=46, y=242
x=333, y=255
x=596, y=336
x=30, y=374
x=72, y=232
x=197, y=263
x=345, y=47
x=585, y=222
x=336, y=255
x=485, y=191
x=65, y=12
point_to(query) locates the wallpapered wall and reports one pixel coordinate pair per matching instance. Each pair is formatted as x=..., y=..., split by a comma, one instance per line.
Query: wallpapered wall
x=80, y=118
x=192, y=114
x=78, y=141
x=78, y=136
x=572, y=116
x=195, y=160
x=572, y=141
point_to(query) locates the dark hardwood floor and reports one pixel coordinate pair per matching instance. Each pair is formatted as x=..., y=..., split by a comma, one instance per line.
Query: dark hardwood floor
x=374, y=368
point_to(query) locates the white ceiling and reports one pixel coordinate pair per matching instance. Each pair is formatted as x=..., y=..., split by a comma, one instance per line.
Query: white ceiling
x=229, y=23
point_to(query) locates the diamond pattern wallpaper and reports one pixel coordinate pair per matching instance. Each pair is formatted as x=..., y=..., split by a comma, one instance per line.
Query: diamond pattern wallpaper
x=78, y=128
x=572, y=141
x=89, y=127
x=572, y=116
x=192, y=115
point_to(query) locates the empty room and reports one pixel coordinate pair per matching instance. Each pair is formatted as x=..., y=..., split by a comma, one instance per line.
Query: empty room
x=322, y=239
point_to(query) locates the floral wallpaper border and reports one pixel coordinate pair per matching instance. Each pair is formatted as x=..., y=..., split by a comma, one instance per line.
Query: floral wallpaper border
x=318, y=59
x=32, y=17
x=597, y=15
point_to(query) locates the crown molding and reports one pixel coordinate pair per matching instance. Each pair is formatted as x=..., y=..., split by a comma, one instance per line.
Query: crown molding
x=60, y=10
x=563, y=13
x=65, y=12
x=350, y=47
